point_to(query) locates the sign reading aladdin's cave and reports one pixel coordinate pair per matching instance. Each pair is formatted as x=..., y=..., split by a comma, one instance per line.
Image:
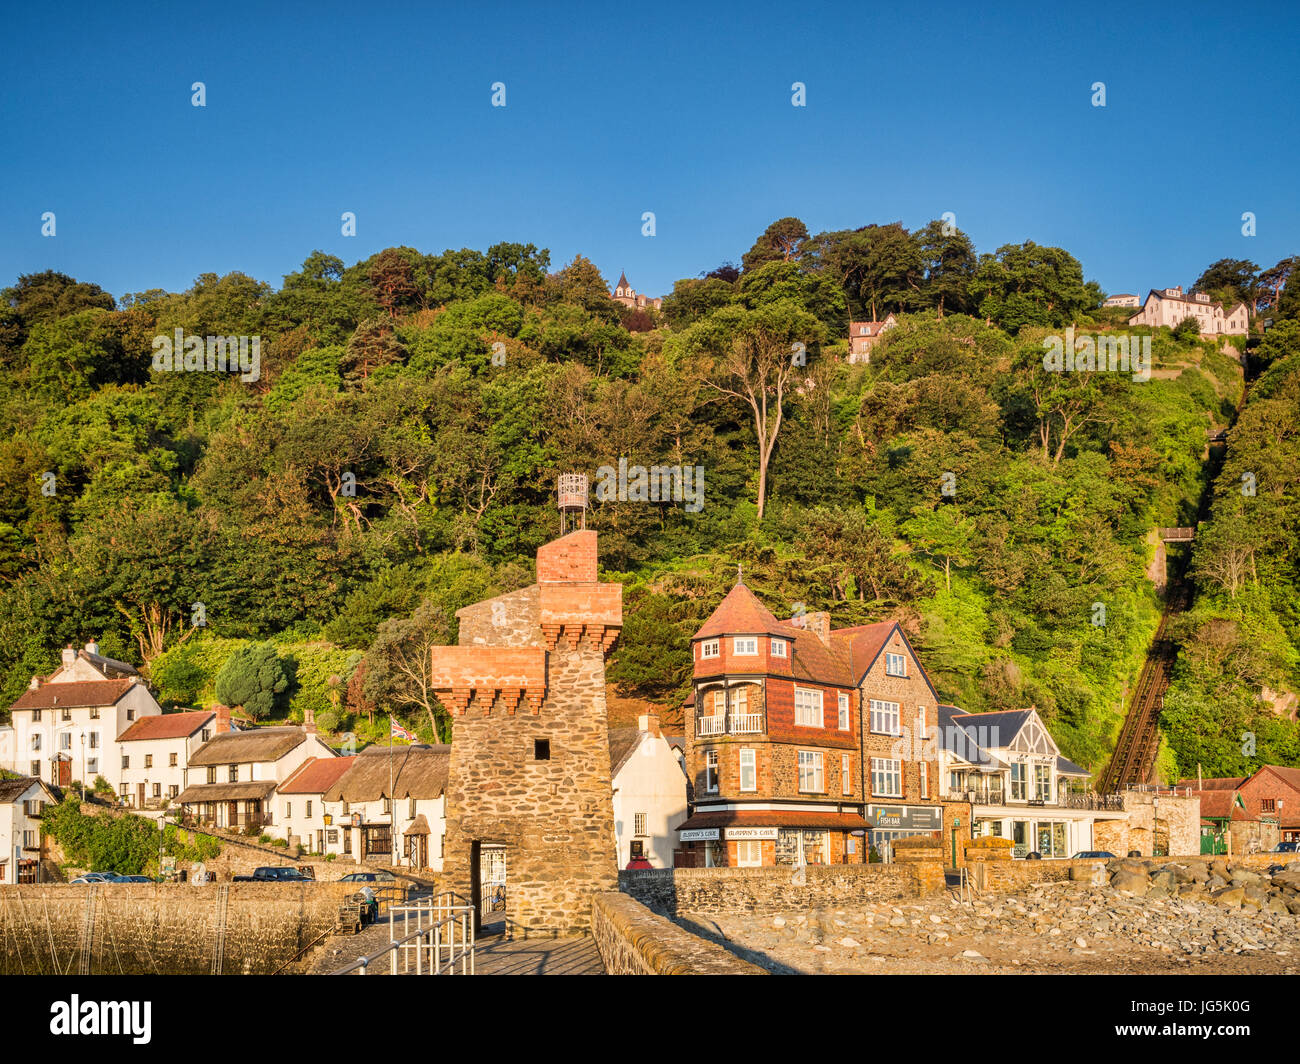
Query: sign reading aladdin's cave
x=751, y=833
x=699, y=835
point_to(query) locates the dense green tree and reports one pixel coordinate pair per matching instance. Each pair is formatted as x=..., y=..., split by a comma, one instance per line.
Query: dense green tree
x=254, y=678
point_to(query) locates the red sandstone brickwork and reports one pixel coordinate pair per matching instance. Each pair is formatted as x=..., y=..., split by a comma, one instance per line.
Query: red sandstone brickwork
x=569, y=559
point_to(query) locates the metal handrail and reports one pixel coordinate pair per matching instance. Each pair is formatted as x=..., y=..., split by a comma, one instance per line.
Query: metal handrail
x=427, y=939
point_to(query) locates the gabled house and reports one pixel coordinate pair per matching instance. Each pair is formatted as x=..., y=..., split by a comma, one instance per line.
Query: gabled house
x=65, y=726
x=1169, y=306
x=898, y=718
x=390, y=806
x=231, y=777
x=1265, y=810
x=649, y=783
x=1019, y=786
x=156, y=751
x=773, y=748
x=298, y=807
x=21, y=844
x=863, y=336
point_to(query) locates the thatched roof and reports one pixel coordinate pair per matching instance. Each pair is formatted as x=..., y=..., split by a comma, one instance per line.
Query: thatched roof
x=226, y=792
x=622, y=742
x=241, y=747
x=417, y=771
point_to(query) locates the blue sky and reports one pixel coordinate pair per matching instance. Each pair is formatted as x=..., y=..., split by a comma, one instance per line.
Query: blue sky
x=384, y=109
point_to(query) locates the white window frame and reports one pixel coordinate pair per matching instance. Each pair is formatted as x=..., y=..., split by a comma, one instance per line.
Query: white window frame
x=710, y=648
x=711, y=772
x=65, y=740
x=882, y=713
x=809, y=708
x=811, y=770
x=882, y=774
x=745, y=646
x=639, y=825
x=778, y=648
x=846, y=774
x=1019, y=787
x=844, y=711
x=720, y=702
x=749, y=853
x=925, y=778
x=36, y=743
x=895, y=664
x=748, y=763
x=740, y=699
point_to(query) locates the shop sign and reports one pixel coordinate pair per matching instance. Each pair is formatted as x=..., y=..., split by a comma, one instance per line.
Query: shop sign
x=699, y=835
x=906, y=817
x=751, y=834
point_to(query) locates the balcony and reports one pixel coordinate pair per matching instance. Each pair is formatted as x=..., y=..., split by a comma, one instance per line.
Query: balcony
x=740, y=724
x=711, y=726
x=1112, y=803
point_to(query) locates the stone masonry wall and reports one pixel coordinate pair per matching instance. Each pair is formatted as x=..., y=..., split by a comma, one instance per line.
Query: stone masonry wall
x=143, y=928
x=555, y=816
x=762, y=890
x=634, y=941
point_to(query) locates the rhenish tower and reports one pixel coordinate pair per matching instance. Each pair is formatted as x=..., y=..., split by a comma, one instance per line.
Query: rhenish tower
x=530, y=765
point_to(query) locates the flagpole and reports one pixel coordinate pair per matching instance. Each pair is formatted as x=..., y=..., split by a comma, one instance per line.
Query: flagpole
x=392, y=799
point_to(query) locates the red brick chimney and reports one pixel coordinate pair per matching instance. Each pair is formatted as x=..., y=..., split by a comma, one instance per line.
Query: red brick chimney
x=649, y=722
x=222, y=723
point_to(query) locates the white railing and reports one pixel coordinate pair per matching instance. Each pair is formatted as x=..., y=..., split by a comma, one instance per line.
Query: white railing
x=441, y=943
x=711, y=725
x=746, y=723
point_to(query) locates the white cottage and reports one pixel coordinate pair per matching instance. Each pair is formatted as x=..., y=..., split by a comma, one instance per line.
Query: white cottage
x=649, y=781
x=1007, y=766
x=156, y=751
x=391, y=807
x=231, y=777
x=65, y=727
x=298, y=813
x=21, y=803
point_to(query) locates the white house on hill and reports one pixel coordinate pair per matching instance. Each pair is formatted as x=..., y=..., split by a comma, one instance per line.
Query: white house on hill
x=649, y=783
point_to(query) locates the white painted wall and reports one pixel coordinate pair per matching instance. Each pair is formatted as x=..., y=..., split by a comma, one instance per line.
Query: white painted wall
x=652, y=782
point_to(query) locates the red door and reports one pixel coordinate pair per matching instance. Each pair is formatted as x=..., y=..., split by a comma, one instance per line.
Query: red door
x=65, y=773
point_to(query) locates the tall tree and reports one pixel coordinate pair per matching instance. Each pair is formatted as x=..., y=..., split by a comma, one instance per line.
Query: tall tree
x=782, y=241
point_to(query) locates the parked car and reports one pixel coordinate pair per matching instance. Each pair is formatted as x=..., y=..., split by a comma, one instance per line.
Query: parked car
x=1093, y=855
x=273, y=874
x=98, y=877
x=379, y=876
x=1286, y=847
x=133, y=879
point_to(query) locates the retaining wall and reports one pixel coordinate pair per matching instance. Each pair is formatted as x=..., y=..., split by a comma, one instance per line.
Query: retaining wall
x=779, y=889
x=634, y=941
x=172, y=928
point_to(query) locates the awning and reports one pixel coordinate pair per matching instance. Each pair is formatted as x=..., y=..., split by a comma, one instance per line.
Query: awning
x=419, y=826
x=779, y=818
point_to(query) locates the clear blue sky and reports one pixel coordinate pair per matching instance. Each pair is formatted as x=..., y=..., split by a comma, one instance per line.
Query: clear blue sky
x=612, y=110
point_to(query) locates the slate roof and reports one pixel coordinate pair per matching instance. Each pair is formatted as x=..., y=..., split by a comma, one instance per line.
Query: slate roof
x=1066, y=767
x=262, y=744
x=956, y=740
x=622, y=743
x=418, y=772
x=74, y=695
x=316, y=775
x=108, y=666
x=167, y=726
x=11, y=790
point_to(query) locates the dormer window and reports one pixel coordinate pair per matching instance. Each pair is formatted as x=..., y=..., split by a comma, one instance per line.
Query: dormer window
x=778, y=648
x=709, y=648
x=895, y=665
x=744, y=645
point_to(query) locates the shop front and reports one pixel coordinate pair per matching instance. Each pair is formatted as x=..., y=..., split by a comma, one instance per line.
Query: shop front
x=1045, y=836
x=758, y=839
x=893, y=822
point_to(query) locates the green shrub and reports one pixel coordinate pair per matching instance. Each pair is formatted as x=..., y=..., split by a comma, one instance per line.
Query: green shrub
x=102, y=786
x=282, y=843
x=264, y=838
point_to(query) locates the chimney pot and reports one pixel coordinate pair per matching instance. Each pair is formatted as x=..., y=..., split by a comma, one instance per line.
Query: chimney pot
x=35, y=683
x=92, y=647
x=69, y=655
x=649, y=722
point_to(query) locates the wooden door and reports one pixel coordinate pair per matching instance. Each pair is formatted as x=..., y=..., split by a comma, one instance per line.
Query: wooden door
x=65, y=773
x=141, y=794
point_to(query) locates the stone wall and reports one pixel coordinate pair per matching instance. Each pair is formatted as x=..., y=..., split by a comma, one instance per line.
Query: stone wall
x=999, y=876
x=172, y=928
x=762, y=890
x=634, y=941
x=1178, y=831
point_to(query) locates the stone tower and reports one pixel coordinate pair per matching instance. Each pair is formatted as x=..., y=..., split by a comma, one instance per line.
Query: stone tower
x=530, y=750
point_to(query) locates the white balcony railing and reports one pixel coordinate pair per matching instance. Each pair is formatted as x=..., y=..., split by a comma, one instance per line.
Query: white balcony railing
x=712, y=725
x=746, y=723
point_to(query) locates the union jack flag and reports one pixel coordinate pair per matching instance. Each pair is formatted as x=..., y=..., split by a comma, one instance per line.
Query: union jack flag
x=398, y=732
